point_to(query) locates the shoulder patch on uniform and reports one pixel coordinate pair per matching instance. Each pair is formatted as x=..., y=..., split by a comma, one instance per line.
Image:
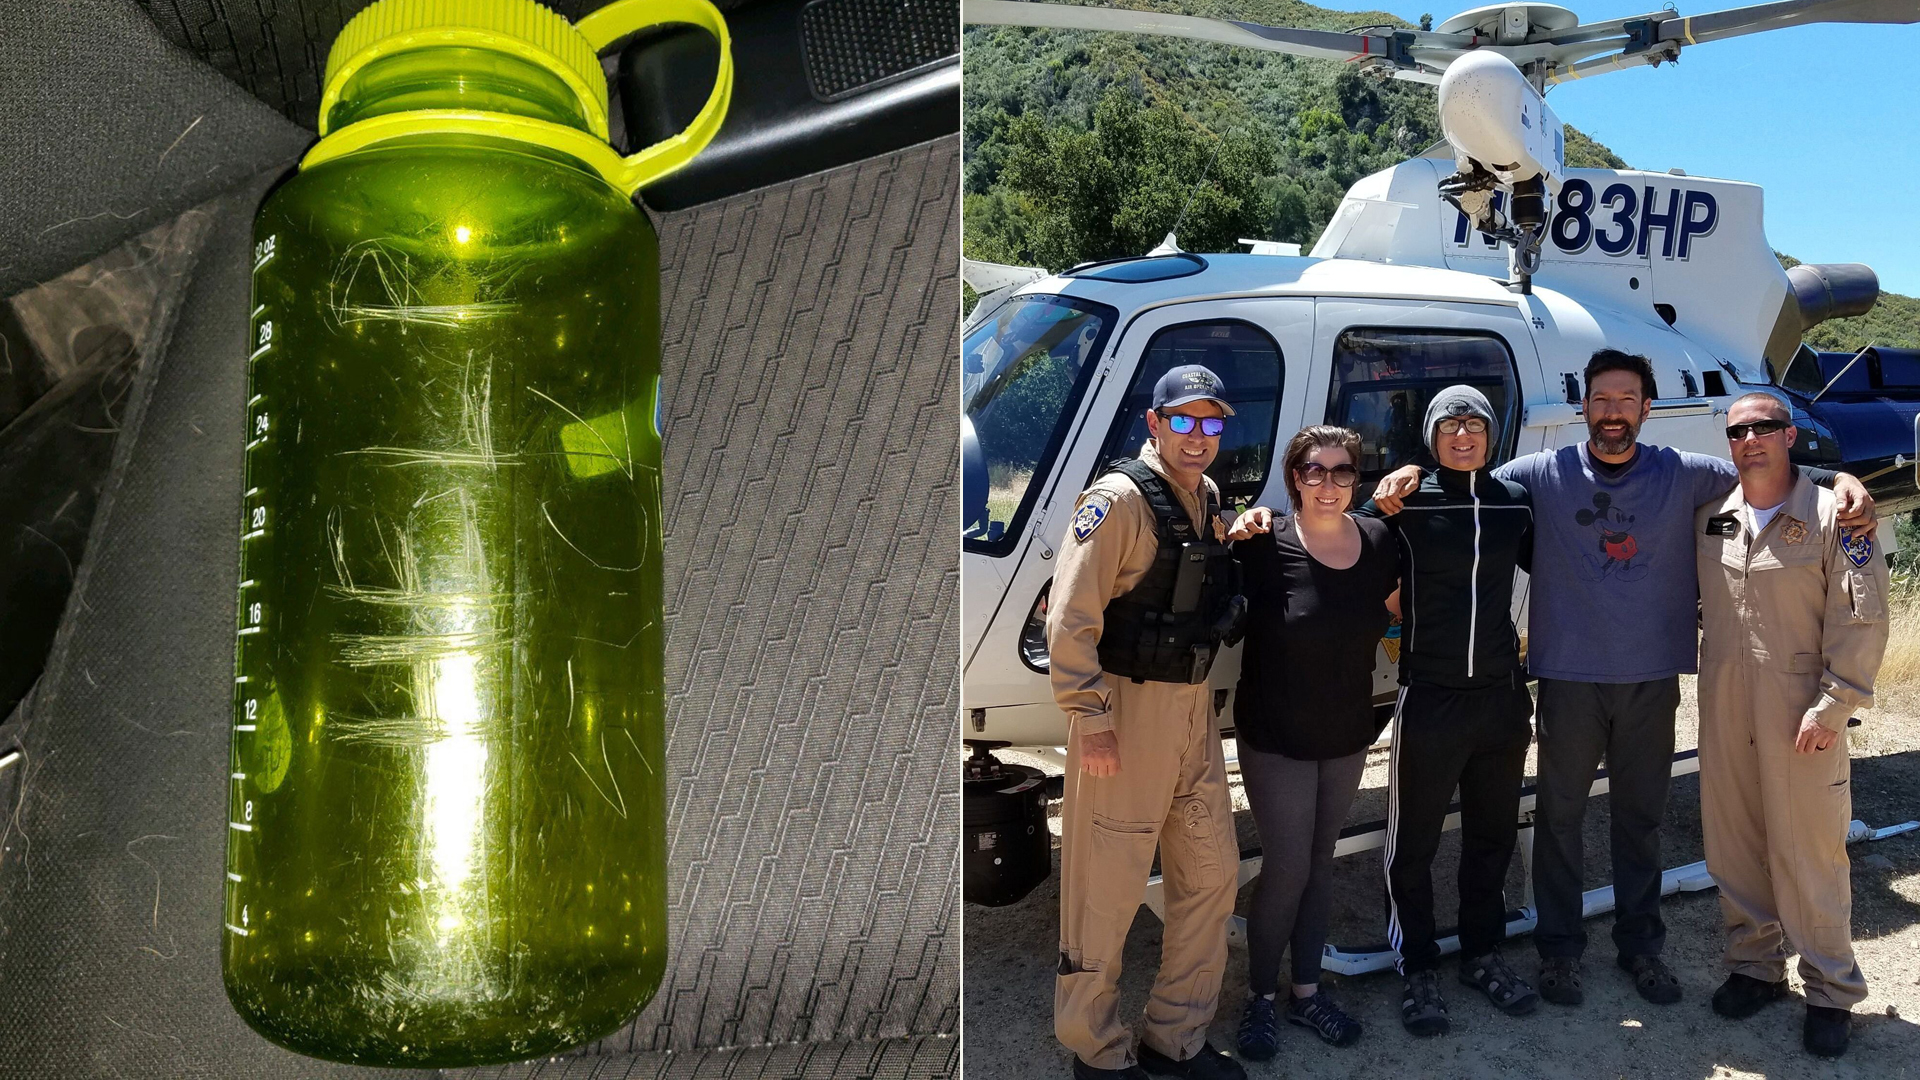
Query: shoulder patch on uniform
x=1091, y=512
x=1858, y=546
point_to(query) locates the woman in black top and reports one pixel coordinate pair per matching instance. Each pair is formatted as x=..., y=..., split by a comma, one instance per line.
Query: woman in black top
x=1318, y=583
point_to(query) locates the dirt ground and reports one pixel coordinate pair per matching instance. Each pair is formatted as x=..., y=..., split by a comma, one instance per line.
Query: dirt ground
x=1010, y=954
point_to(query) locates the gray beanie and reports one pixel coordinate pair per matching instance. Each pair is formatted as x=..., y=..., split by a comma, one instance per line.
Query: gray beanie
x=1460, y=400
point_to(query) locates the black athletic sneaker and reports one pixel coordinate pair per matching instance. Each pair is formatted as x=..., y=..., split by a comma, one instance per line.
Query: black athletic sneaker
x=1320, y=1015
x=1826, y=1031
x=1743, y=995
x=1423, y=1011
x=1259, y=1031
x=1207, y=1064
x=1491, y=976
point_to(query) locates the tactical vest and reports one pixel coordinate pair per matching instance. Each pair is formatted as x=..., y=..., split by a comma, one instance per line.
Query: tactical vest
x=1142, y=636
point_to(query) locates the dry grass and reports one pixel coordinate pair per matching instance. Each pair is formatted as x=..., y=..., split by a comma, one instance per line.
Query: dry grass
x=1900, y=671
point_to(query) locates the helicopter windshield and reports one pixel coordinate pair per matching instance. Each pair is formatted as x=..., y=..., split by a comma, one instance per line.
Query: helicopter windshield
x=1021, y=372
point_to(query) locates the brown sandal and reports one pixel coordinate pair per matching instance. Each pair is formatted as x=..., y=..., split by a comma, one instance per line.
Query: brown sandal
x=1560, y=980
x=1652, y=979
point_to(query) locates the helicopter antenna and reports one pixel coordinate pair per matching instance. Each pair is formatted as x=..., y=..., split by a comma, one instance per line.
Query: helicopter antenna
x=1838, y=375
x=1177, y=222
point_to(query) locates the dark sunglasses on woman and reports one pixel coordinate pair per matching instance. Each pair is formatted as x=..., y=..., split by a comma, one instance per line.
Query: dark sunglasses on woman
x=1313, y=474
x=1210, y=426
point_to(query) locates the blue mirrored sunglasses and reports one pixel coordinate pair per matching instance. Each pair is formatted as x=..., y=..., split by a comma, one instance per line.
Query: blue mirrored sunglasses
x=1210, y=426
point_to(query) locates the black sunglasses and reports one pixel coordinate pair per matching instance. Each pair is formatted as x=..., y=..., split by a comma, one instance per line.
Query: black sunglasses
x=1737, y=432
x=1210, y=426
x=1313, y=474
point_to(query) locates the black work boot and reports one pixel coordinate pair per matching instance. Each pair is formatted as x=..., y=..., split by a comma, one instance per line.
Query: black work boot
x=1743, y=995
x=1084, y=1071
x=1826, y=1032
x=1206, y=1064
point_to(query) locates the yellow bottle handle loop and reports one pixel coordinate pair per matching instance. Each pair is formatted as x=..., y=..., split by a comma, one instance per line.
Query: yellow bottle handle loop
x=624, y=17
x=600, y=29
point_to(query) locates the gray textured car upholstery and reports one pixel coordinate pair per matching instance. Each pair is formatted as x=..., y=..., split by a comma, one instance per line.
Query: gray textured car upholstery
x=813, y=658
x=107, y=129
x=811, y=447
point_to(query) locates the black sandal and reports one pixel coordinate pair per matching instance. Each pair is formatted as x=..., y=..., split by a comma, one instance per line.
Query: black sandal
x=1491, y=976
x=1652, y=979
x=1560, y=980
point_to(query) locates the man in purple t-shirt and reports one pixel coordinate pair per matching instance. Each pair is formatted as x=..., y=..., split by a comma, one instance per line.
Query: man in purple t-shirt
x=1612, y=628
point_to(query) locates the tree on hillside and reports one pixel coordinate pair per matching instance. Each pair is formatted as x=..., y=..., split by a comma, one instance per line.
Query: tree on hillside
x=1584, y=153
x=1066, y=195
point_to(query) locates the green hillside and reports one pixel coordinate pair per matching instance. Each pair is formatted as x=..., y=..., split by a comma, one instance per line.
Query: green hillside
x=1084, y=145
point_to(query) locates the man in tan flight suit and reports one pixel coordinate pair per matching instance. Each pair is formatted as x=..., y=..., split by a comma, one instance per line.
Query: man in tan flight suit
x=1144, y=761
x=1795, y=618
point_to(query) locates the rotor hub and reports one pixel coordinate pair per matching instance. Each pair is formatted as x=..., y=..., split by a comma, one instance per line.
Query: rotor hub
x=1511, y=24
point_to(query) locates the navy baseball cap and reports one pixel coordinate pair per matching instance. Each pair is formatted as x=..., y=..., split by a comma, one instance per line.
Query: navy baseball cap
x=1187, y=383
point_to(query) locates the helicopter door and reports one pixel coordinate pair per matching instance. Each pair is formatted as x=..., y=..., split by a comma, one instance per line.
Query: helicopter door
x=1385, y=362
x=1248, y=343
x=1025, y=374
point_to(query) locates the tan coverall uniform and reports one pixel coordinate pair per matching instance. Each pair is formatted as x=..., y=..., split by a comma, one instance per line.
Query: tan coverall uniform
x=1171, y=789
x=1795, y=625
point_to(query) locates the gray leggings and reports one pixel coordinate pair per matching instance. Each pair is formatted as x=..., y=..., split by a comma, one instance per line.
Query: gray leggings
x=1299, y=807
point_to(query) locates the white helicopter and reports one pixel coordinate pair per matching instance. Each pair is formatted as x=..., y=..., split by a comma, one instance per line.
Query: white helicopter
x=1485, y=260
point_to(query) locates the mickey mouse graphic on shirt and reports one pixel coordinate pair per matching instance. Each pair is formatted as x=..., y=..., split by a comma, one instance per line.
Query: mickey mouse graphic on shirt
x=1618, y=550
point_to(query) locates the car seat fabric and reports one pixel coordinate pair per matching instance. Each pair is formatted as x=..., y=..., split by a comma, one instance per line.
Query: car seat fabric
x=107, y=129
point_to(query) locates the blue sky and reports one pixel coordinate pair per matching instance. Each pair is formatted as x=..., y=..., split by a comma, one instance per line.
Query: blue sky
x=1825, y=118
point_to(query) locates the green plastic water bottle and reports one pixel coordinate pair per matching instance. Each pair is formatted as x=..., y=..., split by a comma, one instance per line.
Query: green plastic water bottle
x=447, y=842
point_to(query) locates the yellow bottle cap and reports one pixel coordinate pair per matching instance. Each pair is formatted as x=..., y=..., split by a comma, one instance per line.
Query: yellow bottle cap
x=531, y=32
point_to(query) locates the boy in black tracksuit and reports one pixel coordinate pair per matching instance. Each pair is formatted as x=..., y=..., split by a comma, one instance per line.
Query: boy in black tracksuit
x=1463, y=715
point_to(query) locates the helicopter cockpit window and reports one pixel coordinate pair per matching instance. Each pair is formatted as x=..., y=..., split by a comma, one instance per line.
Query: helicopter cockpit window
x=1384, y=379
x=1021, y=374
x=1248, y=362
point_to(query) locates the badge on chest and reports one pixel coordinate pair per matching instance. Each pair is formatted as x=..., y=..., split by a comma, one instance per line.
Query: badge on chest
x=1723, y=525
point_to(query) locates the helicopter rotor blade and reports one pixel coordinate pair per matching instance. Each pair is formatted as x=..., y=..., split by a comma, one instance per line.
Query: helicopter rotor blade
x=1619, y=61
x=1422, y=56
x=1734, y=22
x=1321, y=44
